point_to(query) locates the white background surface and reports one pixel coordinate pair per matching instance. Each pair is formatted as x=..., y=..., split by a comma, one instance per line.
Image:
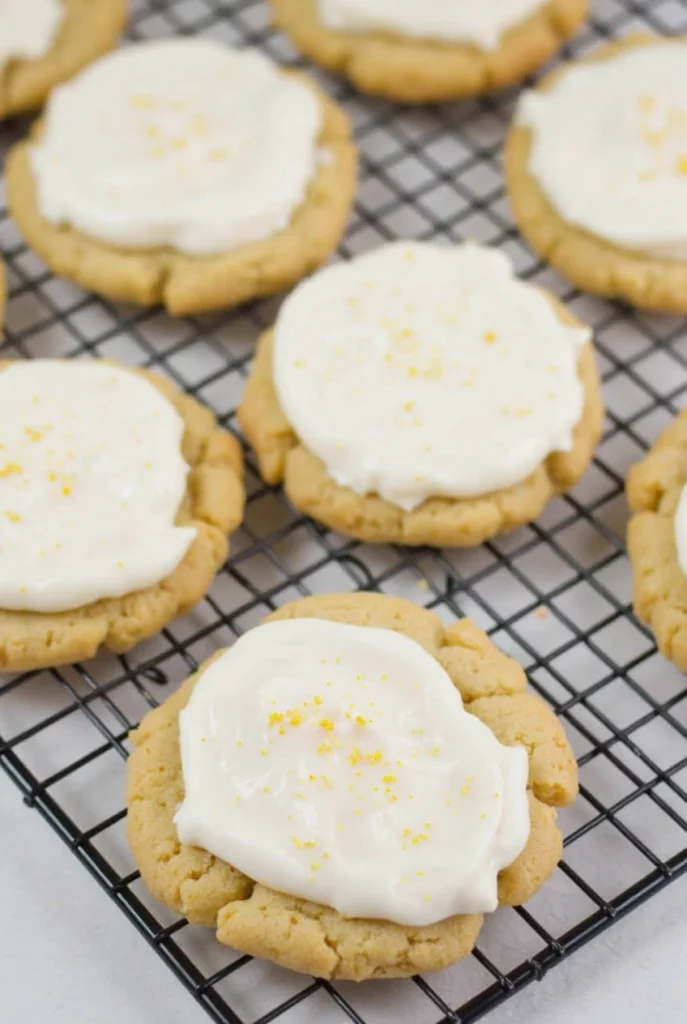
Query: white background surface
x=67, y=954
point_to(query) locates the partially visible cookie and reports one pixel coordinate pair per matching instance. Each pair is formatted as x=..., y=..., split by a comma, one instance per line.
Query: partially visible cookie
x=393, y=397
x=421, y=69
x=657, y=540
x=235, y=179
x=117, y=493
x=616, y=226
x=304, y=934
x=75, y=33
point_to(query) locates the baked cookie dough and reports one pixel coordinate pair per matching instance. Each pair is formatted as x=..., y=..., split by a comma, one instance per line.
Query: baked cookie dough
x=424, y=419
x=44, y=619
x=307, y=936
x=207, y=177
x=71, y=34
x=657, y=540
x=413, y=69
x=616, y=226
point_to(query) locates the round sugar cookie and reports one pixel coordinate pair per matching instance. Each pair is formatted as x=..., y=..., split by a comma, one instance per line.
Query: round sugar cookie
x=422, y=394
x=205, y=177
x=117, y=494
x=351, y=632
x=616, y=225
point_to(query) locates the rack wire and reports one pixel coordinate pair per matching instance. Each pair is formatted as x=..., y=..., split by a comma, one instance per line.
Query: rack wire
x=555, y=594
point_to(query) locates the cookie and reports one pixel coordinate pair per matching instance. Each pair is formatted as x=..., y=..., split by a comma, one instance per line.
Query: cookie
x=615, y=226
x=236, y=179
x=304, y=934
x=417, y=69
x=657, y=540
x=408, y=397
x=117, y=494
x=47, y=41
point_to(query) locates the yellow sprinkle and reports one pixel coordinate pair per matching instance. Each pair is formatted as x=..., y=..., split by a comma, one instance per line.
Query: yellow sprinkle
x=152, y=131
x=141, y=102
x=178, y=143
x=412, y=371
x=295, y=718
x=313, y=778
x=374, y=758
x=267, y=789
x=10, y=469
x=388, y=778
x=681, y=165
x=317, y=700
x=358, y=811
x=120, y=565
x=407, y=832
x=419, y=874
x=34, y=435
x=66, y=490
x=490, y=337
x=275, y=718
x=361, y=720
x=263, y=752
x=421, y=837
x=13, y=517
x=324, y=748
x=301, y=796
x=354, y=756
x=465, y=790
x=326, y=723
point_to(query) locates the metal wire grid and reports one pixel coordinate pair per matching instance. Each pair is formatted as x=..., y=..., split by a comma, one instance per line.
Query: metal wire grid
x=555, y=594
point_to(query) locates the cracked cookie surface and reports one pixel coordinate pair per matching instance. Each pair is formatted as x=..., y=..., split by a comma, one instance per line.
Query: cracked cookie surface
x=89, y=29
x=654, y=486
x=309, y=937
x=589, y=262
x=186, y=284
x=213, y=505
x=438, y=522
x=423, y=71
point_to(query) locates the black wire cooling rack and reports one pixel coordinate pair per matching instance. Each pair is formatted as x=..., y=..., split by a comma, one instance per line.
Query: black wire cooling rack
x=555, y=594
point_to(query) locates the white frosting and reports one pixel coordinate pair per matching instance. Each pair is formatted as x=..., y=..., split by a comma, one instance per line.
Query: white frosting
x=91, y=478
x=337, y=763
x=680, y=526
x=419, y=371
x=182, y=142
x=28, y=28
x=609, y=147
x=463, y=21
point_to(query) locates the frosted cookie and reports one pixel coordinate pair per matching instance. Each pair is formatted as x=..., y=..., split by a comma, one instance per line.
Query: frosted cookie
x=348, y=788
x=117, y=493
x=617, y=223
x=657, y=539
x=423, y=395
x=185, y=172
x=430, y=51
x=43, y=42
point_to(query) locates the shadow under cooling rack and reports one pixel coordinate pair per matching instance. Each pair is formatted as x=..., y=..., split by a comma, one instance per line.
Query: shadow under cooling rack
x=555, y=594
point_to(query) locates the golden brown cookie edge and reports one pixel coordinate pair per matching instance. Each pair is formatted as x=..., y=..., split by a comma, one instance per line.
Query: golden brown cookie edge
x=421, y=71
